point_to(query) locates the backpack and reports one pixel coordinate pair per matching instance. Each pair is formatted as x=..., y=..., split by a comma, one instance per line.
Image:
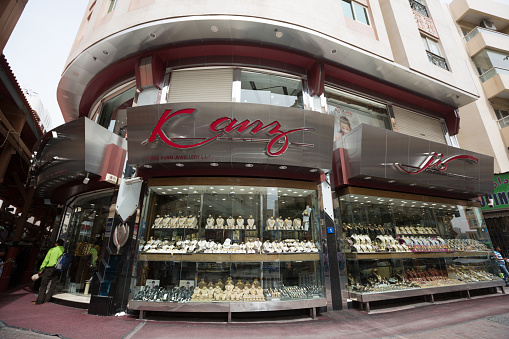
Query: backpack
x=63, y=262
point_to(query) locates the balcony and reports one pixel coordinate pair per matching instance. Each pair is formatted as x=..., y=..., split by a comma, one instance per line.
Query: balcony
x=437, y=60
x=422, y=18
x=481, y=38
x=495, y=83
x=475, y=11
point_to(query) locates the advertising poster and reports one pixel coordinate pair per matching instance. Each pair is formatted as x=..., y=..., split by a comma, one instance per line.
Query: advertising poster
x=500, y=197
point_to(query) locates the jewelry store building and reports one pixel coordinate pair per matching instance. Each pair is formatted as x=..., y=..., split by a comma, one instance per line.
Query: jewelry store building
x=266, y=156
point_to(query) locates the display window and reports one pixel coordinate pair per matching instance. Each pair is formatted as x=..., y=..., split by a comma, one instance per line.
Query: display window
x=394, y=244
x=229, y=243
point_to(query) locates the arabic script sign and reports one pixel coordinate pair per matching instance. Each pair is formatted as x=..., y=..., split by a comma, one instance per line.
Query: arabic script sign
x=225, y=125
x=500, y=197
x=435, y=163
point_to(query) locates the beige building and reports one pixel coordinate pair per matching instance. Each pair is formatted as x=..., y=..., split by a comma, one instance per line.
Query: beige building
x=327, y=124
x=484, y=28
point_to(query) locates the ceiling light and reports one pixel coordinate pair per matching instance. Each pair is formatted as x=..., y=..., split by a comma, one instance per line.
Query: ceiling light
x=179, y=165
x=367, y=178
x=152, y=35
x=147, y=166
x=214, y=29
x=105, y=52
x=76, y=74
x=313, y=170
x=391, y=181
x=249, y=165
x=279, y=34
x=214, y=164
x=333, y=51
x=283, y=167
x=379, y=68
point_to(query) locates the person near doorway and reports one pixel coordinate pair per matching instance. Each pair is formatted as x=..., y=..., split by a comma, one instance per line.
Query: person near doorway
x=48, y=273
x=501, y=264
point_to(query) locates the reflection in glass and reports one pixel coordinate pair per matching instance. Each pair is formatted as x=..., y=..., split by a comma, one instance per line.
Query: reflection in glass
x=268, y=89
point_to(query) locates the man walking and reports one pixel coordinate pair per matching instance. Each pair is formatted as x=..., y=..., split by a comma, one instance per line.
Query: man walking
x=501, y=264
x=48, y=273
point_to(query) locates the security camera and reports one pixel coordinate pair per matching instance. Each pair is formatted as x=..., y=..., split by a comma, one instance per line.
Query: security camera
x=490, y=203
x=86, y=180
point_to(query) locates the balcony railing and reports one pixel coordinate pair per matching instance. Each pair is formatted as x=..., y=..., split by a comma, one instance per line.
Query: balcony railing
x=492, y=72
x=478, y=30
x=418, y=7
x=504, y=122
x=437, y=60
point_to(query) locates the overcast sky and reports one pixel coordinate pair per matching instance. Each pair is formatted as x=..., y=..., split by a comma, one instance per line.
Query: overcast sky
x=40, y=43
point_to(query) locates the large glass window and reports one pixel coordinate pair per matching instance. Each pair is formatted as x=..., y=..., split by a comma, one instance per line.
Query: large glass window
x=350, y=111
x=488, y=59
x=395, y=244
x=269, y=89
x=222, y=243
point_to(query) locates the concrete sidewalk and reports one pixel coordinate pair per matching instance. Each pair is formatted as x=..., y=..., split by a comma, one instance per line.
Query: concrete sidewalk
x=482, y=317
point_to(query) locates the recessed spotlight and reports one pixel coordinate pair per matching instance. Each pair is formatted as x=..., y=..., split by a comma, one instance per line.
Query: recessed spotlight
x=313, y=170
x=214, y=164
x=105, y=52
x=379, y=68
x=214, y=29
x=283, y=167
x=179, y=164
x=152, y=35
x=147, y=166
x=391, y=181
x=333, y=51
x=159, y=188
x=249, y=165
x=279, y=34
x=413, y=184
x=432, y=187
x=76, y=74
x=367, y=178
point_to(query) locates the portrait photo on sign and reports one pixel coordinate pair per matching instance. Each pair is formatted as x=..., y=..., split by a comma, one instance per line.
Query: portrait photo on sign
x=152, y=283
x=186, y=283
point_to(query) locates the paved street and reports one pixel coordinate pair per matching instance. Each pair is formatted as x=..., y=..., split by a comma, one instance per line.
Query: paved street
x=480, y=317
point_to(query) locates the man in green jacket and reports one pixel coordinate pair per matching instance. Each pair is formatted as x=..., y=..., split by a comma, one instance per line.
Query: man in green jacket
x=47, y=272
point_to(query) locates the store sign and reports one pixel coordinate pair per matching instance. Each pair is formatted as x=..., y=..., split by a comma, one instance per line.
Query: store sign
x=228, y=132
x=500, y=197
x=434, y=163
x=226, y=125
x=369, y=155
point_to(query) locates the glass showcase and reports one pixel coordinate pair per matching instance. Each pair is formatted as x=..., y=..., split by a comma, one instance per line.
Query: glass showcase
x=395, y=244
x=223, y=243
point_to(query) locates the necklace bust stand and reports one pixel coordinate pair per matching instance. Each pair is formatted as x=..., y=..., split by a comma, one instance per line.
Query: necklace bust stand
x=271, y=223
x=157, y=222
x=165, y=222
x=288, y=224
x=297, y=224
x=240, y=223
x=173, y=222
x=210, y=222
x=220, y=223
x=182, y=222
x=191, y=222
x=280, y=223
x=250, y=223
x=230, y=223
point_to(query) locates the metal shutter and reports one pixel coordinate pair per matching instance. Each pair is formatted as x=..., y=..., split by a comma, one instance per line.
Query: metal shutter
x=418, y=125
x=205, y=85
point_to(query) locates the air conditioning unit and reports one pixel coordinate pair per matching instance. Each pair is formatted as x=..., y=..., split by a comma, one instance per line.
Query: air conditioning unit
x=488, y=24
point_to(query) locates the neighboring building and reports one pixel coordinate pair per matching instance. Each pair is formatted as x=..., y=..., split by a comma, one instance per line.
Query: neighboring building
x=10, y=11
x=270, y=141
x=484, y=28
x=43, y=115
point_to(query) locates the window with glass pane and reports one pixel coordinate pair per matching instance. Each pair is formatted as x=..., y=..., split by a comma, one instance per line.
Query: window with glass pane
x=351, y=110
x=431, y=46
x=109, y=111
x=269, y=89
x=355, y=11
x=231, y=243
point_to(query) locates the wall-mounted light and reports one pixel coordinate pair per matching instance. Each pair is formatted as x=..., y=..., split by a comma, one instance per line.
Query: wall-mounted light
x=86, y=180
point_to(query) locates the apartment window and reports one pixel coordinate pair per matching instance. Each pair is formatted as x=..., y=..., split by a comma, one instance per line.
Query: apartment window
x=111, y=5
x=355, y=11
x=433, y=52
x=418, y=6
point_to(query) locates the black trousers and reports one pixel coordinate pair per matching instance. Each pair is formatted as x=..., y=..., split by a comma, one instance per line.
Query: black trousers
x=48, y=275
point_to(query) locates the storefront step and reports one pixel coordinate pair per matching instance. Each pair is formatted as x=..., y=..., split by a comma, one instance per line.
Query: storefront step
x=74, y=300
